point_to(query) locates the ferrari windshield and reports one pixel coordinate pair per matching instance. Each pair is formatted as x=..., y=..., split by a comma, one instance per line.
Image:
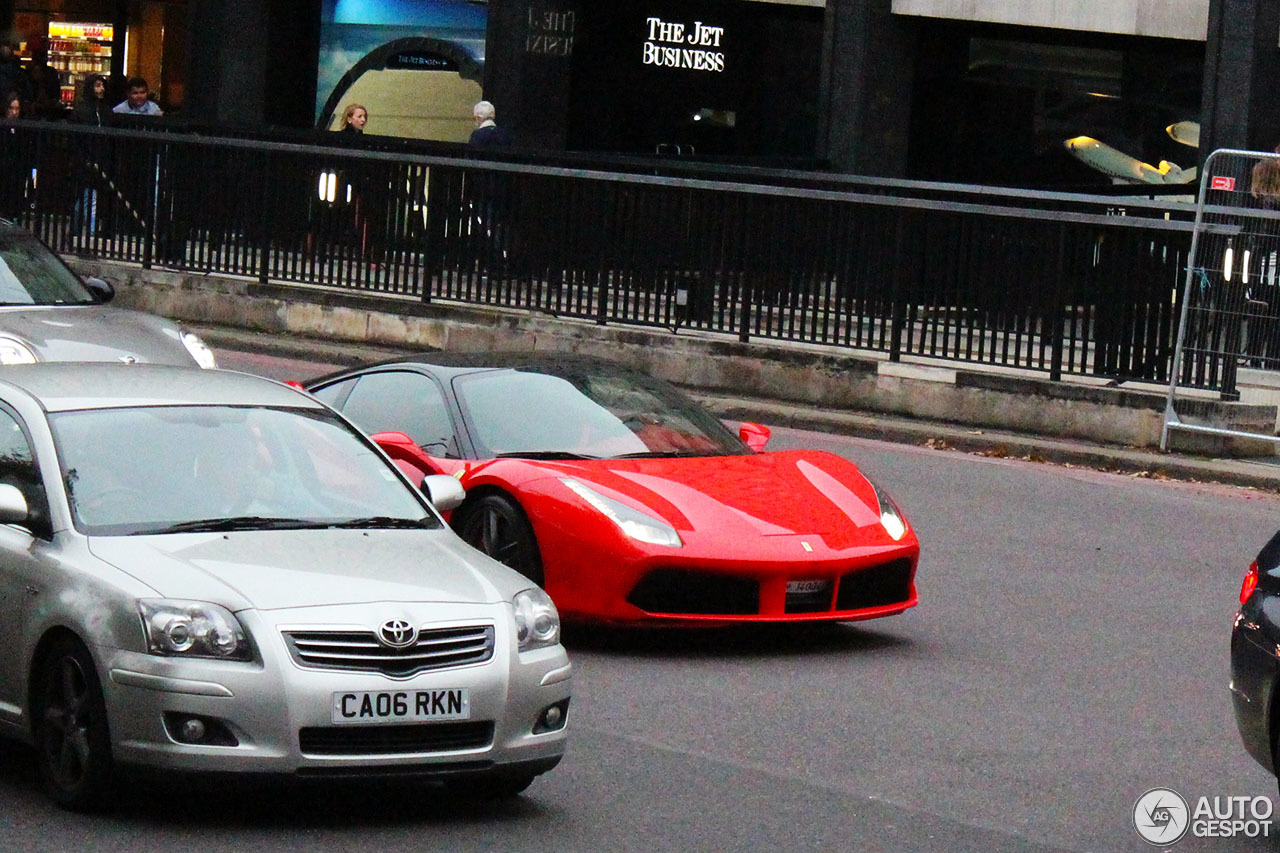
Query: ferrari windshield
x=169, y=469
x=30, y=274
x=594, y=415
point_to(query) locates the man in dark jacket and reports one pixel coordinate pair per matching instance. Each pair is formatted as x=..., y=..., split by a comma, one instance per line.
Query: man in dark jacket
x=487, y=133
x=12, y=77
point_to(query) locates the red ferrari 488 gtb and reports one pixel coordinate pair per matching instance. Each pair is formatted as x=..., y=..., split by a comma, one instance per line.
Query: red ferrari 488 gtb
x=626, y=500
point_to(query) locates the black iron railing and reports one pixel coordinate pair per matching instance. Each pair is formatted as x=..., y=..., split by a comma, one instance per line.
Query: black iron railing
x=1055, y=282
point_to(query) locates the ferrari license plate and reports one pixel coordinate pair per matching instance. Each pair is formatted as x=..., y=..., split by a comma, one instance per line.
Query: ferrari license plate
x=807, y=587
x=401, y=706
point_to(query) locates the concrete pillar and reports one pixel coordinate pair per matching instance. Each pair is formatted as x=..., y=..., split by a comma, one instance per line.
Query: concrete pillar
x=867, y=59
x=1241, y=73
x=228, y=62
x=528, y=57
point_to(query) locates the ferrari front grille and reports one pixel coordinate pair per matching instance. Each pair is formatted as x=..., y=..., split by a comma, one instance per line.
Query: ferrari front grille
x=877, y=586
x=695, y=593
x=360, y=651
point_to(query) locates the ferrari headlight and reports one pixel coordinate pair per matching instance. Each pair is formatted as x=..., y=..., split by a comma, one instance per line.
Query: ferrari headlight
x=638, y=525
x=537, y=621
x=192, y=629
x=14, y=351
x=199, y=350
x=890, y=516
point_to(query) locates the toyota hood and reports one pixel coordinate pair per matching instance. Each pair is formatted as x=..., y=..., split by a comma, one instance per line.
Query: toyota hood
x=94, y=333
x=270, y=570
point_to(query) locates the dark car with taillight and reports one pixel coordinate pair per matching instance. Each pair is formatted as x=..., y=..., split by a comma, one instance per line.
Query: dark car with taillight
x=1255, y=656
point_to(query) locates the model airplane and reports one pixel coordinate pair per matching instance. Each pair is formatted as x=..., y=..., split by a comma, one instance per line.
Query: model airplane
x=1186, y=132
x=1122, y=167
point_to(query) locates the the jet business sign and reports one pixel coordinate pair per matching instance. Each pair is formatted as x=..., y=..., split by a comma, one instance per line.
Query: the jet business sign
x=678, y=44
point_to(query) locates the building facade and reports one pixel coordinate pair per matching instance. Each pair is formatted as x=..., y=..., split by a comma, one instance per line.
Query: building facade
x=980, y=91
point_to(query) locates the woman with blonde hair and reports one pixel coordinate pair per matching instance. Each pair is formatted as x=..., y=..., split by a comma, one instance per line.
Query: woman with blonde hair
x=353, y=119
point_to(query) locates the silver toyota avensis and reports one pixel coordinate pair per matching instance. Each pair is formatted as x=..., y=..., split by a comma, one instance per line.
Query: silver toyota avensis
x=209, y=571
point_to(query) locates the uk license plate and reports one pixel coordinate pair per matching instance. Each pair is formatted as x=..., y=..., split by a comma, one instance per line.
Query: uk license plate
x=401, y=706
x=807, y=587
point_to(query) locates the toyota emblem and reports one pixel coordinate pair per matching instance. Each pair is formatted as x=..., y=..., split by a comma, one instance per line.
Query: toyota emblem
x=397, y=634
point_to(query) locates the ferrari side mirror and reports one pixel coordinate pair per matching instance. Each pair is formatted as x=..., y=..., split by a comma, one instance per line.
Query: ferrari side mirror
x=101, y=289
x=754, y=436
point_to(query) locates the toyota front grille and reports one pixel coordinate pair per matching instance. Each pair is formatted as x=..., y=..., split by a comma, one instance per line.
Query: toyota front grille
x=360, y=651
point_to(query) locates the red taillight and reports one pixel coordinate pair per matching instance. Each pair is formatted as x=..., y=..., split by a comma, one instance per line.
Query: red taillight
x=1250, y=582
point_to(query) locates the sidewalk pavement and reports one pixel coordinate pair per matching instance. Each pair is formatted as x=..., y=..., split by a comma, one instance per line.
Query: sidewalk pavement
x=1262, y=473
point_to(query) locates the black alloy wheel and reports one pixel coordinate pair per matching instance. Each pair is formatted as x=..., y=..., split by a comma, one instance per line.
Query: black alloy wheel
x=496, y=525
x=72, y=740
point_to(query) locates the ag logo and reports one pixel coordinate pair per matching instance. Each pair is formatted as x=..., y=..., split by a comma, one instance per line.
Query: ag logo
x=1161, y=816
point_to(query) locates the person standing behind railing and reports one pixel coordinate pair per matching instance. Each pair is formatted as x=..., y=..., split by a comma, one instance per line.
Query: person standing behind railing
x=14, y=171
x=487, y=133
x=138, y=102
x=46, y=84
x=12, y=77
x=489, y=192
x=90, y=108
x=1262, y=294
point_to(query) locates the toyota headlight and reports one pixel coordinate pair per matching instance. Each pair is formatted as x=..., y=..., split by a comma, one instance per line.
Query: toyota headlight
x=199, y=350
x=14, y=351
x=537, y=621
x=194, y=629
x=638, y=525
x=890, y=516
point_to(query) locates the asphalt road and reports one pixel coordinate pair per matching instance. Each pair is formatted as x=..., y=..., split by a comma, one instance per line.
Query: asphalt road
x=1069, y=653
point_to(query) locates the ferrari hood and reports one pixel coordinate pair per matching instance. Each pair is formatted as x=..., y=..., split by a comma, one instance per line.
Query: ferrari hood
x=94, y=333
x=766, y=494
x=268, y=570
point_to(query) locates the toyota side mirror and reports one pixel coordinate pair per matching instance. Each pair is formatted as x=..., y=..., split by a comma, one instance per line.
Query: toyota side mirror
x=13, y=505
x=444, y=492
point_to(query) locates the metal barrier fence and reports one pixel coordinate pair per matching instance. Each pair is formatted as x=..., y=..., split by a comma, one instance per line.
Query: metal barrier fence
x=1230, y=317
x=1053, y=282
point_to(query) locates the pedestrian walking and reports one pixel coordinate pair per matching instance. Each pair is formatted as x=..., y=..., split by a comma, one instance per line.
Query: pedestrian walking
x=353, y=120
x=364, y=188
x=487, y=133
